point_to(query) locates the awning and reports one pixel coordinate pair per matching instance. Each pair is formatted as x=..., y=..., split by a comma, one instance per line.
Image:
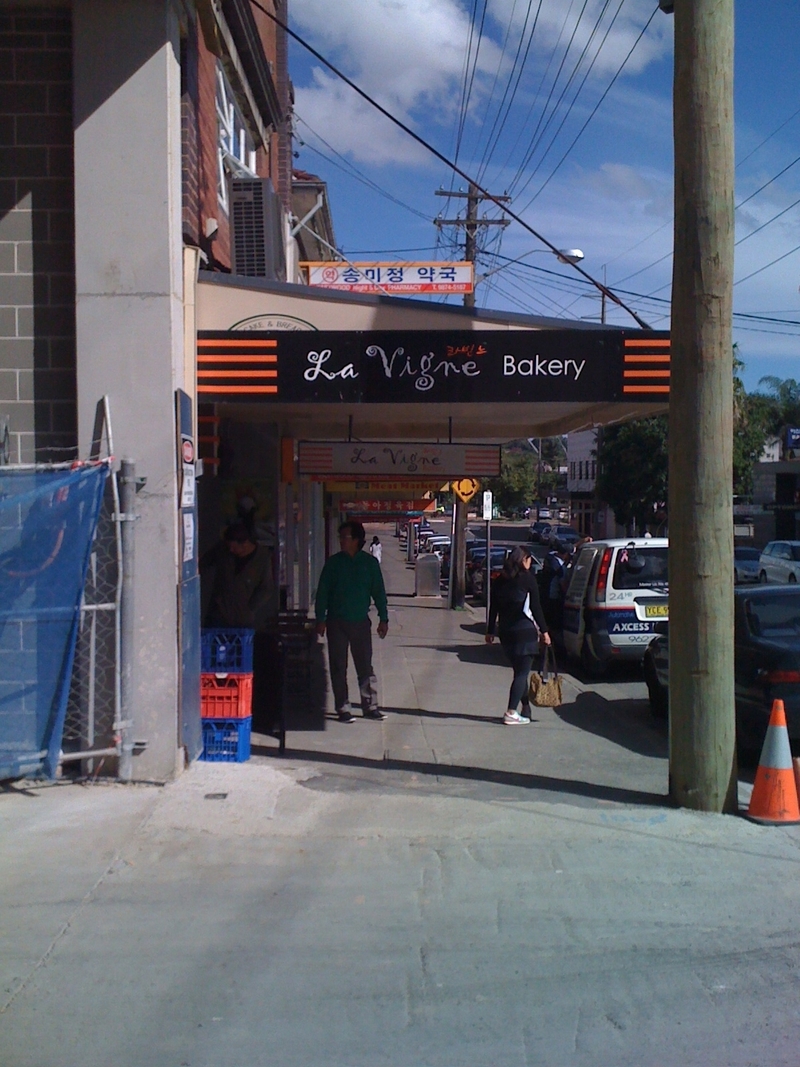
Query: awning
x=329, y=365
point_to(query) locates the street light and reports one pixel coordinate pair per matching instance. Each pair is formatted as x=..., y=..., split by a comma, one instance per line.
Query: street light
x=563, y=255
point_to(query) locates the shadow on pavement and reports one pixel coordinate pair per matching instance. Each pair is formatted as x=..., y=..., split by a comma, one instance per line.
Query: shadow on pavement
x=627, y=723
x=543, y=783
x=489, y=654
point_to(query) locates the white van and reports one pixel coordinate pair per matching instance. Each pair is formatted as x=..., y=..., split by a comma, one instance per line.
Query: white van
x=617, y=594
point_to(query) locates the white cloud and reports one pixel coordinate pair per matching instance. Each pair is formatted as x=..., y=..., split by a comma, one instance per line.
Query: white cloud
x=407, y=54
x=559, y=23
x=410, y=55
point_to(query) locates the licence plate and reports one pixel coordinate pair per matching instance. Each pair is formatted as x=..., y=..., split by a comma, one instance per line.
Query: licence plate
x=656, y=611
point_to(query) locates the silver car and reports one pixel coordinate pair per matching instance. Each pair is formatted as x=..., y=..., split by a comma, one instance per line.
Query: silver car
x=745, y=564
x=780, y=562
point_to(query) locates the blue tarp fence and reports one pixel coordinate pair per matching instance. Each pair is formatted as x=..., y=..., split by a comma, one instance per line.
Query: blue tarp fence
x=48, y=520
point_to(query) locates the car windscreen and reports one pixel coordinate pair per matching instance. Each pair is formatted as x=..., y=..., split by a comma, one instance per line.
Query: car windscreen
x=641, y=568
x=746, y=553
x=795, y=551
x=774, y=617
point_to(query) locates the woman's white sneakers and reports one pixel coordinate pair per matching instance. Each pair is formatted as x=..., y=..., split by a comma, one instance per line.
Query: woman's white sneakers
x=513, y=718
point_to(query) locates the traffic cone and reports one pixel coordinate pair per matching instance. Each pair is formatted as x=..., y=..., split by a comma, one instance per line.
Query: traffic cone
x=774, y=801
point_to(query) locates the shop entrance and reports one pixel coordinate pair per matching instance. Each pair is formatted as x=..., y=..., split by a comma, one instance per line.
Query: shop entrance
x=311, y=406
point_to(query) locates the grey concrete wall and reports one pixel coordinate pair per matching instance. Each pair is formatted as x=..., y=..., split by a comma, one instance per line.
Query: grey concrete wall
x=37, y=280
x=129, y=307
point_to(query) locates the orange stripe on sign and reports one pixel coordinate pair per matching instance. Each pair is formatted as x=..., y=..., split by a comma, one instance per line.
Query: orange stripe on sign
x=646, y=344
x=646, y=359
x=237, y=374
x=237, y=389
x=206, y=343
x=646, y=374
x=645, y=388
x=237, y=359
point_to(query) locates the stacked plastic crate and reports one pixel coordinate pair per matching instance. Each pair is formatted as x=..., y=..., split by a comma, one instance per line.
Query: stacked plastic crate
x=226, y=694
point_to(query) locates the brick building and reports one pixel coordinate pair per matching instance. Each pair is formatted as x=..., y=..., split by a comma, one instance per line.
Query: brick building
x=126, y=126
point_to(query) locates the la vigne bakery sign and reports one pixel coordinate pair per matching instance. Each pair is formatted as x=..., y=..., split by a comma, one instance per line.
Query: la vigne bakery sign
x=440, y=367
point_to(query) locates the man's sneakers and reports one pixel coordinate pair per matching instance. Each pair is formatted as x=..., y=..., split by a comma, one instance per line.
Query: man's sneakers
x=346, y=715
x=513, y=718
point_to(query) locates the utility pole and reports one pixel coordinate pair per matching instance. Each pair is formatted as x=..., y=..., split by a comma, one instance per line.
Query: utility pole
x=471, y=226
x=703, y=772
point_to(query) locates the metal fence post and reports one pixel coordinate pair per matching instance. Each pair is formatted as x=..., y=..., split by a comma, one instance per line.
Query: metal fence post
x=127, y=507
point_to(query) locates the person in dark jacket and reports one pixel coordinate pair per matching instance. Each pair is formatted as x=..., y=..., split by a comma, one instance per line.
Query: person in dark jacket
x=243, y=593
x=516, y=610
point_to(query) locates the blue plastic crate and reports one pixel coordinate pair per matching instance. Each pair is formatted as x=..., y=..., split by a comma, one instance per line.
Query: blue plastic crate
x=226, y=740
x=226, y=651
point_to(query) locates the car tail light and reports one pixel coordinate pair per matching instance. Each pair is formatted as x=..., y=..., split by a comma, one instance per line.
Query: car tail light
x=602, y=574
x=779, y=677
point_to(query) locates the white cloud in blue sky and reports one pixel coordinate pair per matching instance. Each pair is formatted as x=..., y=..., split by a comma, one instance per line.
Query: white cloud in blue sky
x=611, y=193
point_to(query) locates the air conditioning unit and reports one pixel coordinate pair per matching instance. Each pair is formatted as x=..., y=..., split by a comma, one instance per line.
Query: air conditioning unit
x=256, y=214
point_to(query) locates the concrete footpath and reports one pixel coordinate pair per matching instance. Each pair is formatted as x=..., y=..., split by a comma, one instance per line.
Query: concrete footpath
x=433, y=890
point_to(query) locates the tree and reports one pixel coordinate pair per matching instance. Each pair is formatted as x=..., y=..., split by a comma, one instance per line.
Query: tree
x=632, y=470
x=752, y=415
x=514, y=488
x=783, y=398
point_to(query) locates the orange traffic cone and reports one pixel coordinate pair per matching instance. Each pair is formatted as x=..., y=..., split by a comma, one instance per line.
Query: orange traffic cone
x=774, y=800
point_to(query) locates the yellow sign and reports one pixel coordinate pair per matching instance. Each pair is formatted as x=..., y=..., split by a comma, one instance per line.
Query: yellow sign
x=465, y=488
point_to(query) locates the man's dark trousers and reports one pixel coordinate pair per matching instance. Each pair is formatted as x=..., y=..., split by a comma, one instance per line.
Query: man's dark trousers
x=357, y=636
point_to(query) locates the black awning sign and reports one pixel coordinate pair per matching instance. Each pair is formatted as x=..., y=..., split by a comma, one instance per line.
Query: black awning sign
x=435, y=367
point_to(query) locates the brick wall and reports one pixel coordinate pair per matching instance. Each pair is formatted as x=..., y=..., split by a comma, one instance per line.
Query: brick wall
x=37, y=258
x=189, y=136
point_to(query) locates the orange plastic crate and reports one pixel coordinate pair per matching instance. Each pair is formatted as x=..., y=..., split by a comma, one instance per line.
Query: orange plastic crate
x=226, y=696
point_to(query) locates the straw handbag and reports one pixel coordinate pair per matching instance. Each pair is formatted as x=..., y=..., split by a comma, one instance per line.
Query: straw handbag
x=545, y=686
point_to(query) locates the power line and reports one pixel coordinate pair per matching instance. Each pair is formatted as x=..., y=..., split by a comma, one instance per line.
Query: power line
x=591, y=115
x=535, y=144
x=355, y=172
x=443, y=159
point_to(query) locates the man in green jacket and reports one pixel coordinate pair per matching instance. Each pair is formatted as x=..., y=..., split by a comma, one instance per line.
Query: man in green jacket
x=350, y=580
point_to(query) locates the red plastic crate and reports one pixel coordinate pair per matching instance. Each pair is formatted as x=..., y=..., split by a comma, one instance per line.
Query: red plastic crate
x=226, y=696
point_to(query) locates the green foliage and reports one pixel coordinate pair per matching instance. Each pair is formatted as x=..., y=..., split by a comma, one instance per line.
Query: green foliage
x=752, y=415
x=632, y=464
x=782, y=401
x=515, y=488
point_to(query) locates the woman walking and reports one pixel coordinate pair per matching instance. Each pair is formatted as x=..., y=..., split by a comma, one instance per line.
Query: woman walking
x=516, y=608
x=376, y=548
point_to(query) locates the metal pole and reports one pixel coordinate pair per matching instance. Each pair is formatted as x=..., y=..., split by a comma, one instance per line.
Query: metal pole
x=488, y=567
x=703, y=772
x=127, y=622
x=458, y=553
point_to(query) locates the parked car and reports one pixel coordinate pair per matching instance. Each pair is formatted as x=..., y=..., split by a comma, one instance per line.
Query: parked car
x=745, y=564
x=540, y=531
x=567, y=535
x=766, y=664
x=500, y=553
x=780, y=562
x=618, y=591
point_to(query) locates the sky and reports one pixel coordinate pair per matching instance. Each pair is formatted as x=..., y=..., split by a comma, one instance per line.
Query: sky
x=565, y=106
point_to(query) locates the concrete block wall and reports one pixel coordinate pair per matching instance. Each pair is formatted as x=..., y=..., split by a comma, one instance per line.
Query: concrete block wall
x=37, y=269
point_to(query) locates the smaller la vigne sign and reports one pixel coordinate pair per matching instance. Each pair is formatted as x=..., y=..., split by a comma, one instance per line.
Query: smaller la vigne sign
x=359, y=459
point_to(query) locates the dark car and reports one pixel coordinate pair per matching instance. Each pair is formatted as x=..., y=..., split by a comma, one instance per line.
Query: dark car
x=499, y=555
x=766, y=663
x=567, y=535
x=540, y=531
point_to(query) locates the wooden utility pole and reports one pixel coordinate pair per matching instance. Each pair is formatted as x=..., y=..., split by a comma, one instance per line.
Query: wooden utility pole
x=471, y=226
x=703, y=771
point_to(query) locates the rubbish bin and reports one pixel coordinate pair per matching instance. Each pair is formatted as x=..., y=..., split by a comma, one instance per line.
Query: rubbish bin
x=427, y=572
